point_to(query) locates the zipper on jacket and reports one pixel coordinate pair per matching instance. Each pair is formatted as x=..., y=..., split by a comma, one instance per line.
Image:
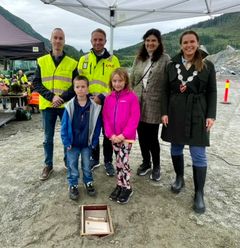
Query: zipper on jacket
x=103, y=69
x=54, y=79
x=91, y=68
x=115, y=111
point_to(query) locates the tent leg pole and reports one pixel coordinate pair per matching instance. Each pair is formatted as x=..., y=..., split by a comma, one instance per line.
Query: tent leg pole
x=111, y=39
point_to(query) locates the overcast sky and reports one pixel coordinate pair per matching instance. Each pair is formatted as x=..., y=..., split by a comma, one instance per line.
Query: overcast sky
x=44, y=18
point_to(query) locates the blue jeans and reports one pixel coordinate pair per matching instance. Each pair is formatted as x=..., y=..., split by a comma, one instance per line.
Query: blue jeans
x=49, y=117
x=73, y=171
x=198, y=154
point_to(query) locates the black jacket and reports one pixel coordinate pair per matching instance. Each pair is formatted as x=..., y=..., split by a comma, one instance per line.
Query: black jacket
x=187, y=111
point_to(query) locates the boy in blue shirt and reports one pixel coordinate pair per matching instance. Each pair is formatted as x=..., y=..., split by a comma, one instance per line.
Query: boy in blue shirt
x=80, y=130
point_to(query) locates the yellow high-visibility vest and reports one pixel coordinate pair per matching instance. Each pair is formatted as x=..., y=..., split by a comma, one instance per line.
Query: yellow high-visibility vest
x=99, y=73
x=56, y=79
x=23, y=79
x=5, y=80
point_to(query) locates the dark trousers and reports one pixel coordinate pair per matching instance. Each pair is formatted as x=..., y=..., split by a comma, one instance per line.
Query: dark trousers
x=149, y=144
x=107, y=150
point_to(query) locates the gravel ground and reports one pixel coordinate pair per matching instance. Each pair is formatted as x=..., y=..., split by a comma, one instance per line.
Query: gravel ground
x=40, y=214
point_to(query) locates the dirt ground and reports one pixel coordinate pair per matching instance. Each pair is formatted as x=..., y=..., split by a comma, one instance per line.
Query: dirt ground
x=40, y=214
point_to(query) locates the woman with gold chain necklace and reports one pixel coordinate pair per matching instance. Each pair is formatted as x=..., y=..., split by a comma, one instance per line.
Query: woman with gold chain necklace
x=189, y=112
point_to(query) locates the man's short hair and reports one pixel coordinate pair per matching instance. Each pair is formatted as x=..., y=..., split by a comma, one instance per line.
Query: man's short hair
x=57, y=29
x=99, y=30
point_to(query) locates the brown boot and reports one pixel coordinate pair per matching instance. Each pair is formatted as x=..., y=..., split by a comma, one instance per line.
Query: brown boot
x=47, y=170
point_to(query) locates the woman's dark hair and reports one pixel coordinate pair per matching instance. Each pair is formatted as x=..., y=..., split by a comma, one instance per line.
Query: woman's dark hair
x=197, y=59
x=143, y=54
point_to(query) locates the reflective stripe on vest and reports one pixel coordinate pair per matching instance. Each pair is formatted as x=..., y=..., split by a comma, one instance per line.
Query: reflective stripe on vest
x=56, y=79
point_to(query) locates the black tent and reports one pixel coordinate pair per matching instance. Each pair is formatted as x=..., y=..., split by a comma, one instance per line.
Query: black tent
x=16, y=44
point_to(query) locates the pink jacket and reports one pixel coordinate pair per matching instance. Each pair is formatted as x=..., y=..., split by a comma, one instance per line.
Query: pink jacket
x=121, y=114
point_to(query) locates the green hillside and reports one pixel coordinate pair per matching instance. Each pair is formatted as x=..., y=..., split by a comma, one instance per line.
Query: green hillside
x=215, y=35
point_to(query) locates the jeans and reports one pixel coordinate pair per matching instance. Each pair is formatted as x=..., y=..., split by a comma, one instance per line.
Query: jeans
x=198, y=154
x=49, y=117
x=73, y=171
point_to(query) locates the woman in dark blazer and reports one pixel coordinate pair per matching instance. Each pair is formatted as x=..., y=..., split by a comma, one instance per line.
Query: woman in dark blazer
x=189, y=112
x=147, y=78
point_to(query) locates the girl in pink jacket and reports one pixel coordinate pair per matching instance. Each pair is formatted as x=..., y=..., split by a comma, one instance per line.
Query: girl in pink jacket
x=121, y=114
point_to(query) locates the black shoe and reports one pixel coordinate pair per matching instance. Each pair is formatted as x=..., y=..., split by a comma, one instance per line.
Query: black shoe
x=124, y=195
x=73, y=193
x=94, y=164
x=47, y=171
x=155, y=175
x=109, y=169
x=115, y=194
x=143, y=169
x=90, y=189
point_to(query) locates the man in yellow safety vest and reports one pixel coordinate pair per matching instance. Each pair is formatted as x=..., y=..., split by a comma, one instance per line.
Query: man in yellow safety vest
x=98, y=66
x=53, y=81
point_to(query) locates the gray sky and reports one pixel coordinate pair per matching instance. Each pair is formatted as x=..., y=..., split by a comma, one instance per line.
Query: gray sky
x=44, y=18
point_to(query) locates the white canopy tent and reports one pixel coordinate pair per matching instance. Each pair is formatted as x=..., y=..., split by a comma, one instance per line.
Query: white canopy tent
x=116, y=13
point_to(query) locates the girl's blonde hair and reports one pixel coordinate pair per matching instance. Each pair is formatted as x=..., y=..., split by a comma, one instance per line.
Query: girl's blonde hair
x=123, y=74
